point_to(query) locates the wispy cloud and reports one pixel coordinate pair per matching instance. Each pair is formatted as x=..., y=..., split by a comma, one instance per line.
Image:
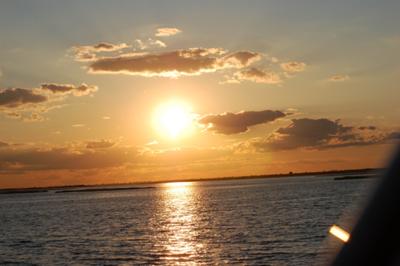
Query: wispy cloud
x=367, y=128
x=86, y=53
x=52, y=164
x=80, y=90
x=63, y=158
x=293, y=66
x=3, y=144
x=78, y=125
x=166, y=32
x=100, y=144
x=339, y=77
x=148, y=44
x=255, y=75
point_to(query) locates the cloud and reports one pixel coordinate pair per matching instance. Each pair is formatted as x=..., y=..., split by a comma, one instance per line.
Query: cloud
x=107, y=47
x=140, y=44
x=28, y=113
x=78, y=156
x=314, y=134
x=78, y=125
x=194, y=61
x=182, y=62
x=29, y=105
x=42, y=165
x=149, y=43
x=240, y=59
x=158, y=43
x=85, y=56
x=293, y=66
x=15, y=97
x=339, y=77
x=101, y=144
x=256, y=75
x=3, y=144
x=153, y=142
x=166, y=32
x=393, y=136
x=80, y=90
x=86, y=53
x=367, y=128
x=233, y=123
x=33, y=117
x=63, y=158
x=307, y=132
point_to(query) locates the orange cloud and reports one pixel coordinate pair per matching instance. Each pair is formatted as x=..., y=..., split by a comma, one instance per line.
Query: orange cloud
x=3, y=144
x=166, y=32
x=257, y=75
x=100, y=144
x=41, y=165
x=86, y=53
x=36, y=165
x=293, y=66
x=66, y=158
x=240, y=59
x=339, y=77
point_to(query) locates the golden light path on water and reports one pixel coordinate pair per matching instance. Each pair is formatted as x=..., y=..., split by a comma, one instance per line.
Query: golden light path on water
x=180, y=209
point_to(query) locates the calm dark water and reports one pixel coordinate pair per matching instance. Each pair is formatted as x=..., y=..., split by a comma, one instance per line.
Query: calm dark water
x=252, y=222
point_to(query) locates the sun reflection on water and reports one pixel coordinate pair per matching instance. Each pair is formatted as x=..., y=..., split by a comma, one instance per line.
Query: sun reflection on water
x=180, y=211
x=179, y=187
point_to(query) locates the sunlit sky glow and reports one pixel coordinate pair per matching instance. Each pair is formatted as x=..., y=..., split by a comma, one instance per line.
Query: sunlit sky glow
x=125, y=91
x=173, y=119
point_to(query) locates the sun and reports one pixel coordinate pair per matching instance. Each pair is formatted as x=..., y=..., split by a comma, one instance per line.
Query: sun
x=173, y=119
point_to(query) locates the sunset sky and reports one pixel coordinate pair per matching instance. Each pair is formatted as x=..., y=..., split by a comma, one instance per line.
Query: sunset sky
x=96, y=92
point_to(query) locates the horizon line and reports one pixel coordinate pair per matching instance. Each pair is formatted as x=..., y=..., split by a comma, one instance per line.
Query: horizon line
x=275, y=175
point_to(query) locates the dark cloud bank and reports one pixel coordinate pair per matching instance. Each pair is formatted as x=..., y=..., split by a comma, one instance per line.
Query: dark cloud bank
x=319, y=134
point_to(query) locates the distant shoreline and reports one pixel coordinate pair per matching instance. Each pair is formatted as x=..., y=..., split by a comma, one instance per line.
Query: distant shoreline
x=100, y=189
x=74, y=188
x=353, y=177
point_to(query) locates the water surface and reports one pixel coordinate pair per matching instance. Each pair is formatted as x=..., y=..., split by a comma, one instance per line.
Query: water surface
x=272, y=221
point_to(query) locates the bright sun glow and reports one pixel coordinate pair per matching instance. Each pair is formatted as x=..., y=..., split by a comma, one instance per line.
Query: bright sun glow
x=173, y=119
